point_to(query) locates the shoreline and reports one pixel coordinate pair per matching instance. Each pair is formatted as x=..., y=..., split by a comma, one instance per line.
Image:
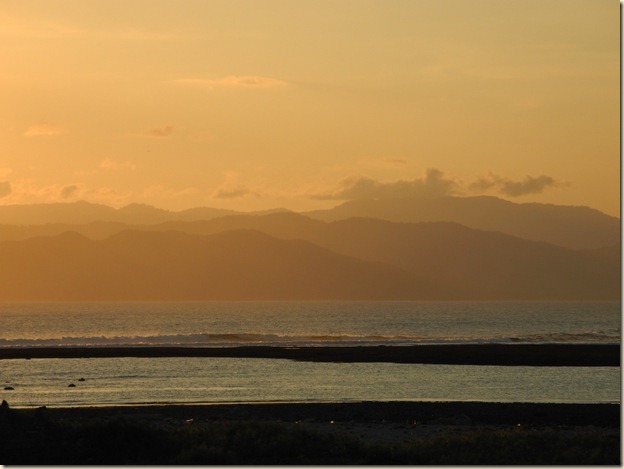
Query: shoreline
x=450, y=354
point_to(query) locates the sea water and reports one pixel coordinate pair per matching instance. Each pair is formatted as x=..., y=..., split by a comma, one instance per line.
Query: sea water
x=109, y=381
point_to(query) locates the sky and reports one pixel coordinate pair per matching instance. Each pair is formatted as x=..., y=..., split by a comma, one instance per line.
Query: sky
x=258, y=104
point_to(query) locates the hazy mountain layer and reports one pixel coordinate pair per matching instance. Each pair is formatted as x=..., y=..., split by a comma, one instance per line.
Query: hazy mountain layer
x=85, y=212
x=572, y=227
x=135, y=265
x=349, y=259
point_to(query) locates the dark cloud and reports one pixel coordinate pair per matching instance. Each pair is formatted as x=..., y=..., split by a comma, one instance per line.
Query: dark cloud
x=484, y=184
x=505, y=186
x=67, y=192
x=434, y=184
x=530, y=185
x=5, y=188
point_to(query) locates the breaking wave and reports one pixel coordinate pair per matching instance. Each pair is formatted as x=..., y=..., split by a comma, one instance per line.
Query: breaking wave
x=232, y=340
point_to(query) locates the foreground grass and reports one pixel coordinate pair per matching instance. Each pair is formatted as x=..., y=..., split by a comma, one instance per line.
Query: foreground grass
x=35, y=439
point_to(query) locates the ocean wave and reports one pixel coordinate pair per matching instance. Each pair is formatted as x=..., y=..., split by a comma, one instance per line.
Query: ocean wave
x=238, y=339
x=604, y=336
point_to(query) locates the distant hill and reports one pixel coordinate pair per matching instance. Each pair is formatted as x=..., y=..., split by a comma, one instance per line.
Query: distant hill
x=568, y=226
x=135, y=265
x=84, y=212
x=468, y=263
x=93, y=230
x=302, y=258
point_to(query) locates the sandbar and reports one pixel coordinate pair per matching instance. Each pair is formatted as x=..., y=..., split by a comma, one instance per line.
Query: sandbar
x=452, y=354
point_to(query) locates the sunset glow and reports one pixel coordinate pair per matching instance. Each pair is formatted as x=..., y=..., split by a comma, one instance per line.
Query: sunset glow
x=310, y=232
x=251, y=105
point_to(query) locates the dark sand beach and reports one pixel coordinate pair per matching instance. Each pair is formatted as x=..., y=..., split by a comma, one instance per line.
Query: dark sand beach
x=456, y=354
x=314, y=433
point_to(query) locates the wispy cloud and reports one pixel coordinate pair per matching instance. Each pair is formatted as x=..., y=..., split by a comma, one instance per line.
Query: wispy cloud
x=511, y=188
x=109, y=164
x=30, y=28
x=233, y=81
x=160, y=191
x=157, y=132
x=234, y=192
x=5, y=188
x=232, y=188
x=43, y=130
x=26, y=190
x=396, y=161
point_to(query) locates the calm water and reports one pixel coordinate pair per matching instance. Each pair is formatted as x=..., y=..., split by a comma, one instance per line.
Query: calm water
x=139, y=380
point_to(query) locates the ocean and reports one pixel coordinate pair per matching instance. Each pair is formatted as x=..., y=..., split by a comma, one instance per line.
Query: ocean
x=119, y=381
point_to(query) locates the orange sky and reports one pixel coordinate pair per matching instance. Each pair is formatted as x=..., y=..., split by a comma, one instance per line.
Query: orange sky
x=303, y=104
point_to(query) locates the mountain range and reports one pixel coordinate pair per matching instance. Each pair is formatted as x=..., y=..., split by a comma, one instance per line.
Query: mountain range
x=569, y=226
x=285, y=255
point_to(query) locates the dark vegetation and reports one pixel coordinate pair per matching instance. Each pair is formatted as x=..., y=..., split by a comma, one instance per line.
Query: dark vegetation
x=42, y=437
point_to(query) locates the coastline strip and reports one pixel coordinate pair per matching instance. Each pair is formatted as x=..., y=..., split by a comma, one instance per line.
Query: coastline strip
x=368, y=411
x=464, y=354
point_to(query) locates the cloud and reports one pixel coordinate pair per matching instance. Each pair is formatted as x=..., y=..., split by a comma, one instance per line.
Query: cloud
x=396, y=161
x=232, y=188
x=5, y=188
x=530, y=185
x=158, y=132
x=53, y=192
x=27, y=191
x=434, y=184
x=162, y=192
x=234, y=192
x=109, y=164
x=232, y=81
x=508, y=187
x=43, y=130
x=70, y=191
